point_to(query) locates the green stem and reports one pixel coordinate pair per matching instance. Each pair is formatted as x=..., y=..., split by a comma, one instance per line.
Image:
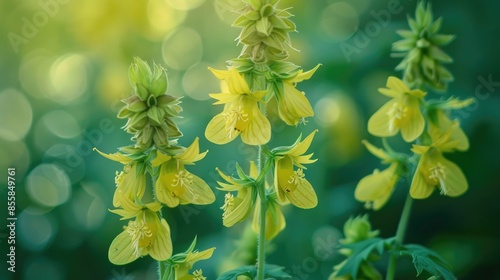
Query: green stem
x=261, y=252
x=398, y=241
x=263, y=170
x=161, y=269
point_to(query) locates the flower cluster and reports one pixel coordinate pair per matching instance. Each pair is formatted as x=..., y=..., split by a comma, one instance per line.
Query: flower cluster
x=289, y=186
x=155, y=157
x=258, y=80
x=409, y=113
x=423, y=58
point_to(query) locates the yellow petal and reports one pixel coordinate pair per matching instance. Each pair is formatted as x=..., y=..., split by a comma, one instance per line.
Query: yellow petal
x=457, y=140
x=275, y=221
x=237, y=83
x=420, y=188
x=254, y=172
x=199, y=256
x=377, y=188
x=161, y=247
x=243, y=203
x=223, y=98
x=455, y=183
x=379, y=123
x=303, y=196
x=380, y=153
x=301, y=76
x=219, y=74
x=192, y=153
x=293, y=105
x=414, y=123
x=217, y=133
x=258, y=131
x=302, y=147
x=279, y=171
x=121, y=250
x=162, y=191
x=201, y=193
x=121, y=158
x=160, y=158
x=389, y=92
x=397, y=85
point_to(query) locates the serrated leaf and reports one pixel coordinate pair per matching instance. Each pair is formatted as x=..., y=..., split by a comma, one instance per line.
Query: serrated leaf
x=428, y=260
x=361, y=251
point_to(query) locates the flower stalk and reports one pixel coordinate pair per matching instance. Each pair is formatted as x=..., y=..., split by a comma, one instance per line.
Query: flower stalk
x=259, y=75
x=400, y=233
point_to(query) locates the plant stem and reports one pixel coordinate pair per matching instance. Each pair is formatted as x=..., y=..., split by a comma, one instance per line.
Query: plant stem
x=261, y=249
x=261, y=252
x=400, y=233
x=161, y=269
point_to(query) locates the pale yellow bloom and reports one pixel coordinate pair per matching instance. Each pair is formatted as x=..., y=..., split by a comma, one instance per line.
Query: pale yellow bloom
x=236, y=209
x=293, y=106
x=146, y=234
x=130, y=183
x=442, y=124
x=291, y=185
x=401, y=113
x=182, y=268
x=376, y=188
x=434, y=170
x=176, y=185
x=241, y=114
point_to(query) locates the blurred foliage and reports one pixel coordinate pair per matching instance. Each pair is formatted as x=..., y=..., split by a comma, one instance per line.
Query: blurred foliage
x=64, y=69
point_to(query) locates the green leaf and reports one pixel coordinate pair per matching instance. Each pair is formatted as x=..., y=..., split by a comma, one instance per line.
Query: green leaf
x=271, y=272
x=428, y=260
x=361, y=251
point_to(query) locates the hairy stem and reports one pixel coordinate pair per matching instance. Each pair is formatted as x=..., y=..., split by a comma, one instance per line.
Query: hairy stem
x=261, y=249
x=400, y=233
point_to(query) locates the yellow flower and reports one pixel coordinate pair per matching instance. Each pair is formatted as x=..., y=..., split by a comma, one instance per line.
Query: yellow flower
x=236, y=209
x=441, y=125
x=176, y=185
x=130, y=183
x=402, y=112
x=434, y=170
x=376, y=188
x=182, y=268
x=291, y=184
x=241, y=114
x=293, y=105
x=147, y=234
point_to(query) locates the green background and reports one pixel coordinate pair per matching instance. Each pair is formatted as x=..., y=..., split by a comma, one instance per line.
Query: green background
x=64, y=69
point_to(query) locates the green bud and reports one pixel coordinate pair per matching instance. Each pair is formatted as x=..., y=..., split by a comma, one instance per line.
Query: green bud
x=141, y=91
x=420, y=49
x=159, y=84
x=358, y=229
x=156, y=115
x=160, y=138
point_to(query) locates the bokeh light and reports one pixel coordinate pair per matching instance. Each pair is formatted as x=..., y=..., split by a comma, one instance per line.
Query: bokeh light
x=198, y=81
x=185, y=5
x=339, y=21
x=62, y=124
x=48, y=185
x=36, y=230
x=182, y=49
x=68, y=75
x=16, y=113
x=87, y=207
